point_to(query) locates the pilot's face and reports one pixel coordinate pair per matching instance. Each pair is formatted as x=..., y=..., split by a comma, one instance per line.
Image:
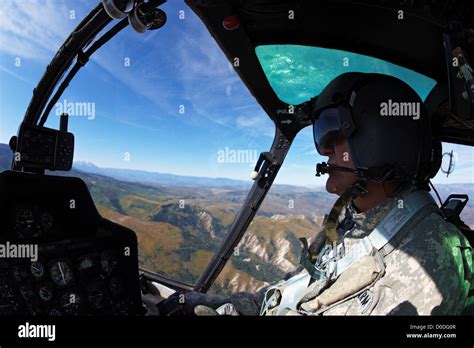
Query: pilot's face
x=339, y=155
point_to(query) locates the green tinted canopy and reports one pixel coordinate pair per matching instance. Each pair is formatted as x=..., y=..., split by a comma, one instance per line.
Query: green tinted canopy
x=298, y=73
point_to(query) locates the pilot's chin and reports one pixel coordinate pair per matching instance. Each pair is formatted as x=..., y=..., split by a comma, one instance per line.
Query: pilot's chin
x=331, y=185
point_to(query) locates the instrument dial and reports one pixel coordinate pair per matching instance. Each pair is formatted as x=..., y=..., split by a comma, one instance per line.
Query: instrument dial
x=88, y=263
x=47, y=222
x=27, y=292
x=61, y=273
x=71, y=302
x=96, y=295
x=109, y=261
x=45, y=292
x=20, y=272
x=37, y=269
x=25, y=224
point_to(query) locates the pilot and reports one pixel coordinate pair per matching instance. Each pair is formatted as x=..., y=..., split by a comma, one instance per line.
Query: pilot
x=385, y=248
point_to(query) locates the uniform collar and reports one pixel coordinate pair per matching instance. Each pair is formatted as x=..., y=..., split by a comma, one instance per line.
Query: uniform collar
x=366, y=221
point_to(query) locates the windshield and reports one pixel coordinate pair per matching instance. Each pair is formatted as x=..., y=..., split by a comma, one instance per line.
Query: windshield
x=166, y=133
x=299, y=73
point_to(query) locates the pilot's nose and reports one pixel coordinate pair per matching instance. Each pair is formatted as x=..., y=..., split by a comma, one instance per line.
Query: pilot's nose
x=326, y=150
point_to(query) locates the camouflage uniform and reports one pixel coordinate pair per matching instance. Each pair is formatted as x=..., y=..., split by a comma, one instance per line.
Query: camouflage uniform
x=424, y=275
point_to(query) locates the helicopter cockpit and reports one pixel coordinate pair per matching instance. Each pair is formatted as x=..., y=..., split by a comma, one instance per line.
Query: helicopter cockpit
x=80, y=263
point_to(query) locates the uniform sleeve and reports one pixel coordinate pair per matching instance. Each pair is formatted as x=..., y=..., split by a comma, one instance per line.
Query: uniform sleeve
x=425, y=274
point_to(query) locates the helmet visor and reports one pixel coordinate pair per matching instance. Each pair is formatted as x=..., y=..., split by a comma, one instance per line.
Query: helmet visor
x=326, y=129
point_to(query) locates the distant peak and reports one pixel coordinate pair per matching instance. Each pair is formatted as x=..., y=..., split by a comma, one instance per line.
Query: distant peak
x=85, y=164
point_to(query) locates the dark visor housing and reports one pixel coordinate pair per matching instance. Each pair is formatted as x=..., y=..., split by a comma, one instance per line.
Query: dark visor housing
x=330, y=124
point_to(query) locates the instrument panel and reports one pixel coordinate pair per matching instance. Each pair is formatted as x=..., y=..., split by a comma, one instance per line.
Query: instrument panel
x=32, y=222
x=86, y=280
x=83, y=264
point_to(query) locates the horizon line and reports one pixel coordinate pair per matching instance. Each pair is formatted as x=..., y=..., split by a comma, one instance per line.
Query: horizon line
x=232, y=179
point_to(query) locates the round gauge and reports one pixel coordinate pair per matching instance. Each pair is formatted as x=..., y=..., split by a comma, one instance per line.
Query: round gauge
x=27, y=292
x=61, y=273
x=37, y=269
x=109, y=261
x=87, y=263
x=71, y=302
x=45, y=292
x=6, y=289
x=96, y=296
x=25, y=224
x=20, y=272
x=47, y=222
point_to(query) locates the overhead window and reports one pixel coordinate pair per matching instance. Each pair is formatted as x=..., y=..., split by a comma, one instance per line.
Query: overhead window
x=298, y=73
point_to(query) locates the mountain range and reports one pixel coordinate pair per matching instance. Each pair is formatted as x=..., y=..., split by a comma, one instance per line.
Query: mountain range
x=180, y=221
x=133, y=175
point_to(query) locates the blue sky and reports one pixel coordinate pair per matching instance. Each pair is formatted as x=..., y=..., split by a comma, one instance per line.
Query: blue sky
x=137, y=122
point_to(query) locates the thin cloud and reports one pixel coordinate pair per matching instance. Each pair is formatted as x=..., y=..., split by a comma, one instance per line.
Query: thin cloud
x=15, y=75
x=33, y=29
x=243, y=122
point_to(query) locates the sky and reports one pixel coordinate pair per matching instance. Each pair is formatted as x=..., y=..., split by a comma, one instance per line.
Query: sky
x=164, y=101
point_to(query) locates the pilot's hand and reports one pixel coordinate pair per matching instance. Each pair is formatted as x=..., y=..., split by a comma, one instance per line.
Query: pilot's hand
x=192, y=302
x=225, y=309
x=181, y=303
x=200, y=303
x=239, y=303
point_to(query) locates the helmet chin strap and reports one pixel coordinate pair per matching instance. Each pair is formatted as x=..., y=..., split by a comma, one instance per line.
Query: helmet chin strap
x=330, y=226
